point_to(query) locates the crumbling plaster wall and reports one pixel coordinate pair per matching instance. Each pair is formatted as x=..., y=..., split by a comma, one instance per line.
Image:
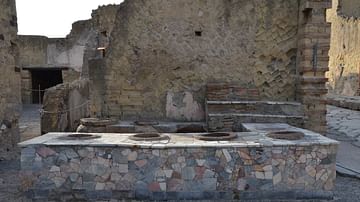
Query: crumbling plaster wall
x=158, y=64
x=345, y=48
x=9, y=81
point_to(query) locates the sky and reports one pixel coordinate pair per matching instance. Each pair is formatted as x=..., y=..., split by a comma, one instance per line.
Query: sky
x=53, y=18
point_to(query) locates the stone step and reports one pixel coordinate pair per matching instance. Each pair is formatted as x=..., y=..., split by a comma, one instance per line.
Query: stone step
x=348, y=102
x=254, y=107
x=233, y=121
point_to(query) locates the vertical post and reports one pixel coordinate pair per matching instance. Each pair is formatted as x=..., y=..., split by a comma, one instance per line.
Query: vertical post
x=358, y=91
x=39, y=95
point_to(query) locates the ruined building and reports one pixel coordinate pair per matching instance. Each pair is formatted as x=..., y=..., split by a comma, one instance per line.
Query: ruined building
x=184, y=61
x=46, y=62
x=344, y=52
x=9, y=81
x=165, y=56
x=187, y=99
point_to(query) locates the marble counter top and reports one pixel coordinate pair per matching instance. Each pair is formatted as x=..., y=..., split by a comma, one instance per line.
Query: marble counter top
x=255, y=138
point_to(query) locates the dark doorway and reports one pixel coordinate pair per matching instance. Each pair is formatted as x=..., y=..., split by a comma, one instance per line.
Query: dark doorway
x=44, y=79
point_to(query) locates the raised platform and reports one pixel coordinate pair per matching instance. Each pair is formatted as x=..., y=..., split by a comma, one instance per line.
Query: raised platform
x=348, y=102
x=181, y=167
x=229, y=115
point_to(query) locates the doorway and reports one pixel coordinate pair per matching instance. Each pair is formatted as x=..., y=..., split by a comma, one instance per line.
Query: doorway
x=43, y=79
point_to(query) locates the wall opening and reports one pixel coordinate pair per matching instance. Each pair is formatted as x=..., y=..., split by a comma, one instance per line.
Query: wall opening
x=43, y=79
x=198, y=33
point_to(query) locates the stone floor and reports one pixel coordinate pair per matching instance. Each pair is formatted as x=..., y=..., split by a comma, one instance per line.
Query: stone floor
x=30, y=121
x=344, y=125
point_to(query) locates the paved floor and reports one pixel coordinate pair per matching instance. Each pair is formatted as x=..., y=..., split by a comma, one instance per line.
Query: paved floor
x=344, y=126
x=30, y=121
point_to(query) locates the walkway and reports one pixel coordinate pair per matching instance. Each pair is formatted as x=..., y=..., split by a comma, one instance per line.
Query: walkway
x=344, y=126
x=30, y=122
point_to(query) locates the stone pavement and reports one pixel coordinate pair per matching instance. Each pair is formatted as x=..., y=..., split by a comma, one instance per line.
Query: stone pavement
x=30, y=121
x=344, y=126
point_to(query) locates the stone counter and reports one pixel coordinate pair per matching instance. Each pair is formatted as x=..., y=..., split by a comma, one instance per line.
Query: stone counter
x=112, y=166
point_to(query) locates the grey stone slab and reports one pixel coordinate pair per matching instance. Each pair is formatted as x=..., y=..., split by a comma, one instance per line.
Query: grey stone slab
x=257, y=138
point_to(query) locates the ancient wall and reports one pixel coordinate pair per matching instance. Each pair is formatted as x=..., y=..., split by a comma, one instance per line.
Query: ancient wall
x=102, y=23
x=345, y=48
x=162, y=54
x=72, y=52
x=40, y=51
x=32, y=50
x=103, y=18
x=9, y=81
x=43, y=52
x=64, y=106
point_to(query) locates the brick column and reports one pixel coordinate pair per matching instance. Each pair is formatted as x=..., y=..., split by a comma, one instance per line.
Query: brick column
x=313, y=48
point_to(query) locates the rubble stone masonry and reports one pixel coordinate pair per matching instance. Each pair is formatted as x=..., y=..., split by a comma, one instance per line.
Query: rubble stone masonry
x=9, y=81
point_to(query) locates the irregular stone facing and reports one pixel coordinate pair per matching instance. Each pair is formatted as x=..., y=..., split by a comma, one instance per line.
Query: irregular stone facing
x=283, y=172
x=10, y=98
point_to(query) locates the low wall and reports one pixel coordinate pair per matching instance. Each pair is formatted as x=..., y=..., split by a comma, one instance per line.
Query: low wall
x=179, y=168
x=64, y=106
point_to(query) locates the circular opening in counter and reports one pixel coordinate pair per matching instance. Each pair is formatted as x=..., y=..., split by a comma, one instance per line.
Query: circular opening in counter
x=216, y=136
x=146, y=123
x=286, y=135
x=80, y=136
x=148, y=137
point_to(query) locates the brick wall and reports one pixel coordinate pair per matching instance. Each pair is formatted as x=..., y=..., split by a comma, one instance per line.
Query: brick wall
x=313, y=47
x=223, y=91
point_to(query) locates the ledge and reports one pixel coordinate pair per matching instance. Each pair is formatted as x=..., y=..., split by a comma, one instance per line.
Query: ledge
x=257, y=138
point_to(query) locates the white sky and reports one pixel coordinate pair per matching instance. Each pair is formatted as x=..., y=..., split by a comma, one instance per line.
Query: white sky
x=53, y=18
